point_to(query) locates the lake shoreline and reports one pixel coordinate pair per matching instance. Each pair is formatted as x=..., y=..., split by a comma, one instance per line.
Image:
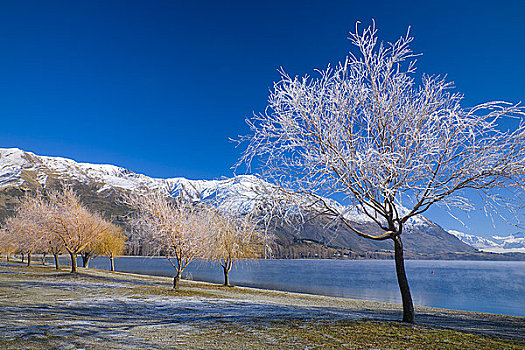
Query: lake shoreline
x=46, y=297
x=458, y=285
x=481, y=256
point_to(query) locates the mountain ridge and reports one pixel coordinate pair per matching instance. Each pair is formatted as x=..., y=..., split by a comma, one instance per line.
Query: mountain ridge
x=100, y=184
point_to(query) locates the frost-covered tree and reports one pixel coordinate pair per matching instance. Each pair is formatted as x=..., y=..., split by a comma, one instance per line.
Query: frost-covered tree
x=173, y=227
x=111, y=244
x=28, y=227
x=248, y=195
x=89, y=252
x=233, y=237
x=73, y=224
x=366, y=131
x=51, y=244
x=7, y=245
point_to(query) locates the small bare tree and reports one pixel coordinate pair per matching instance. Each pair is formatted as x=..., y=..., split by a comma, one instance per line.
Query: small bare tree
x=88, y=253
x=249, y=195
x=233, y=237
x=392, y=148
x=73, y=224
x=7, y=245
x=51, y=244
x=28, y=227
x=174, y=227
x=111, y=244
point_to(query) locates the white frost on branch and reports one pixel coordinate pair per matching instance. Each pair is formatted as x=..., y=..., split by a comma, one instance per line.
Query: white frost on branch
x=366, y=132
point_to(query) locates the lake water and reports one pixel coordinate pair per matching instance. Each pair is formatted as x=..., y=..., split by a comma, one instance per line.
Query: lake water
x=484, y=286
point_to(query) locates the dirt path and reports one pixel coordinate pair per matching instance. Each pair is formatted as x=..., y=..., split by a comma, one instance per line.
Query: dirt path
x=46, y=309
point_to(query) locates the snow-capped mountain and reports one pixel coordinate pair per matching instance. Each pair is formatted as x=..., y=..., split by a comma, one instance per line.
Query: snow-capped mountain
x=495, y=244
x=514, y=242
x=19, y=168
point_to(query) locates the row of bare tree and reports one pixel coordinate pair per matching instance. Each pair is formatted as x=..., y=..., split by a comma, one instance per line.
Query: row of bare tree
x=59, y=223
x=180, y=230
x=184, y=231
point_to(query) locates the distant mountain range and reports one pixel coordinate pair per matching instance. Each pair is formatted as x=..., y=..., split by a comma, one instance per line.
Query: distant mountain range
x=514, y=243
x=100, y=185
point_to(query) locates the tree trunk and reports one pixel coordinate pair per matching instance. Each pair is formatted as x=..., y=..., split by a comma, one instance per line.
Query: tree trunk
x=176, y=280
x=227, y=268
x=408, y=307
x=22, y=258
x=28, y=259
x=57, y=266
x=73, y=262
x=85, y=260
x=7, y=257
x=44, y=259
x=112, y=267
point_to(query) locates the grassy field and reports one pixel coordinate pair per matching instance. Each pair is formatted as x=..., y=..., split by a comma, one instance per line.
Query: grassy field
x=47, y=309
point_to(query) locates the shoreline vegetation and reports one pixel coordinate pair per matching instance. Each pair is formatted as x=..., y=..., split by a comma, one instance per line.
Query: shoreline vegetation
x=43, y=308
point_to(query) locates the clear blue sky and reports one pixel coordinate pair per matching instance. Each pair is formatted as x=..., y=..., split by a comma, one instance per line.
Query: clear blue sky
x=159, y=86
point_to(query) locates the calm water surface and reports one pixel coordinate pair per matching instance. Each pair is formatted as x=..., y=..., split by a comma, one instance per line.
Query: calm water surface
x=485, y=286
